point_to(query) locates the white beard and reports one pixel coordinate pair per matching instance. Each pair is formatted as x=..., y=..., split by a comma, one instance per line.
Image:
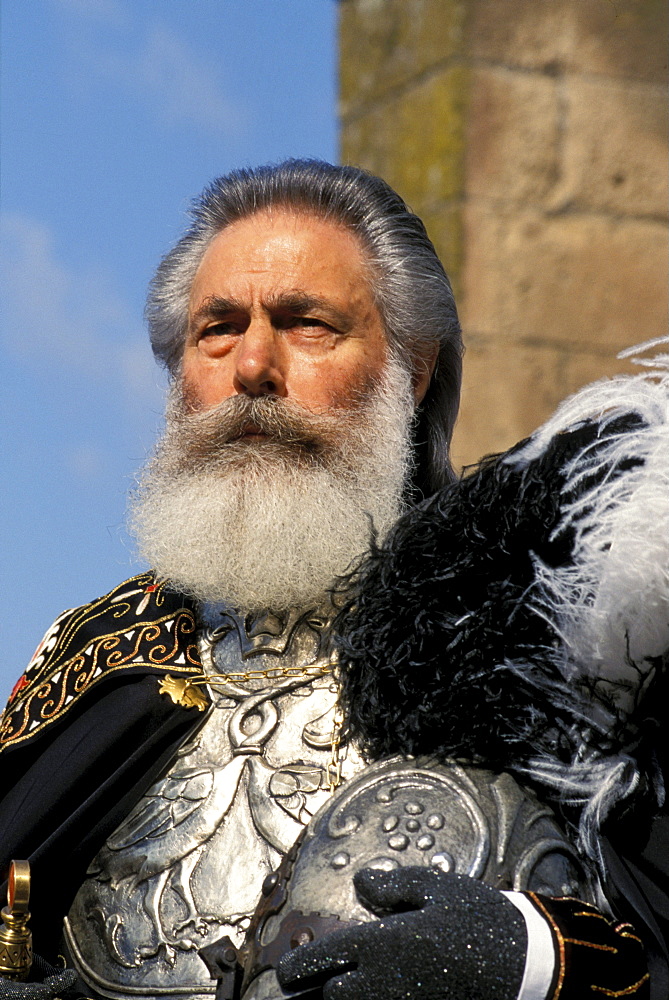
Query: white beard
x=270, y=524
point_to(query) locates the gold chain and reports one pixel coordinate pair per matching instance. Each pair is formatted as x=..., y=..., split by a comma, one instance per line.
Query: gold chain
x=183, y=691
x=333, y=769
x=318, y=669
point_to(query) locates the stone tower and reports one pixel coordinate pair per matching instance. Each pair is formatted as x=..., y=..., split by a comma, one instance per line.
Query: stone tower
x=531, y=136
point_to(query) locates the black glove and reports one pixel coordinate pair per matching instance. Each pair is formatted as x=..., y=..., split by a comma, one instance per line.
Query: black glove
x=449, y=937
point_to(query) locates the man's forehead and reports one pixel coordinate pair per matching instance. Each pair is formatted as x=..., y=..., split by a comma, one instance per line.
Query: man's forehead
x=280, y=255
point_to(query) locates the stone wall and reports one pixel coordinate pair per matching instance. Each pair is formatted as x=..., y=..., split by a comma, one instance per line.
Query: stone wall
x=531, y=136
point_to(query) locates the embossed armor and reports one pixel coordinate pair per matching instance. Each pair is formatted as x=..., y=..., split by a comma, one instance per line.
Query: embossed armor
x=188, y=863
x=399, y=812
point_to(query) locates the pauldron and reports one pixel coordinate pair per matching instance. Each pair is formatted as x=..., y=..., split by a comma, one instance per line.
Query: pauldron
x=460, y=819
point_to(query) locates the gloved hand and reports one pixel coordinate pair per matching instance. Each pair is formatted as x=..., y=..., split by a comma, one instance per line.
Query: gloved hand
x=448, y=937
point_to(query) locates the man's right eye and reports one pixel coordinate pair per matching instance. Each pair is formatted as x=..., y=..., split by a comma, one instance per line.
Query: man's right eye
x=219, y=330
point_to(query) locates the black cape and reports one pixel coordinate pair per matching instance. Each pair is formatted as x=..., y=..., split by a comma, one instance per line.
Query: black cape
x=86, y=732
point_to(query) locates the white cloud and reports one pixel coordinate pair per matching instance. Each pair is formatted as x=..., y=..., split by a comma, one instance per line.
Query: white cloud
x=149, y=62
x=55, y=315
x=183, y=84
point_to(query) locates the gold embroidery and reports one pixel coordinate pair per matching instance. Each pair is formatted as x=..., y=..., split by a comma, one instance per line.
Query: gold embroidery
x=560, y=943
x=620, y=929
x=622, y=993
x=591, y=944
x=626, y=934
x=145, y=633
x=53, y=681
x=95, y=609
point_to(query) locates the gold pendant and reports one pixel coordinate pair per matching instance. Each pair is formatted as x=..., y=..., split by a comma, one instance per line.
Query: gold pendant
x=183, y=693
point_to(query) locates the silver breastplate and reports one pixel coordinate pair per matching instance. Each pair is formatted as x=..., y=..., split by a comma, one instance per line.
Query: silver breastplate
x=188, y=863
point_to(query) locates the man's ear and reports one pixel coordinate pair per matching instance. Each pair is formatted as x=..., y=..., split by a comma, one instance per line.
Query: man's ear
x=423, y=370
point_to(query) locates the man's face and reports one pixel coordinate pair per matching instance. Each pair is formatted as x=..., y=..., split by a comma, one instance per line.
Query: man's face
x=281, y=305
x=291, y=432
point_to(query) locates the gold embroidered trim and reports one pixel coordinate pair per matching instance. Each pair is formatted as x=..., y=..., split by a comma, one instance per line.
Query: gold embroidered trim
x=560, y=943
x=627, y=934
x=625, y=992
x=118, y=597
x=620, y=929
x=52, y=684
x=592, y=944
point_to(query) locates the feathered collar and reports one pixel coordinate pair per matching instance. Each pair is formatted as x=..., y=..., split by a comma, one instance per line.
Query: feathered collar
x=520, y=617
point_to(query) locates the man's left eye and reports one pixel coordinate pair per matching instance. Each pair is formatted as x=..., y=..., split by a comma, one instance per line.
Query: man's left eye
x=310, y=322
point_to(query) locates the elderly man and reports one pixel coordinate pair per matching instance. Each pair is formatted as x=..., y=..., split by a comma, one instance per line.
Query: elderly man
x=169, y=741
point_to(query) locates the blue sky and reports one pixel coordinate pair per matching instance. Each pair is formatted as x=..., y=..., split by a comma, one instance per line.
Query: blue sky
x=114, y=114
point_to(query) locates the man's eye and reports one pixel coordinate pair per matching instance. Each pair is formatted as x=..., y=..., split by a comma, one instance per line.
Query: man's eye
x=310, y=322
x=219, y=329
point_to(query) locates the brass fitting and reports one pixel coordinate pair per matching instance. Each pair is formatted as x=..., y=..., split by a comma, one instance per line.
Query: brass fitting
x=16, y=940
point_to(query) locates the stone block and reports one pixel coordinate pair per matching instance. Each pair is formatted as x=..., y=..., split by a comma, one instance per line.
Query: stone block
x=627, y=40
x=444, y=227
x=384, y=44
x=615, y=147
x=521, y=33
x=618, y=39
x=507, y=391
x=511, y=389
x=582, y=367
x=513, y=131
x=415, y=141
x=572, y=279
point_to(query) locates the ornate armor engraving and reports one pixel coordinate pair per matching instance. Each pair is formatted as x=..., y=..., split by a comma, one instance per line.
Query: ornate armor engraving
x=396, y=813
x=188, y=863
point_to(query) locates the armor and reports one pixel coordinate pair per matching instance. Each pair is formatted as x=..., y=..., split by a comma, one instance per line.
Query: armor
x=188, y=863
x=459, y=819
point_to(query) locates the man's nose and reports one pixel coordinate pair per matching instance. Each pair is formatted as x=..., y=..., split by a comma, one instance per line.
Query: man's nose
x=259, y=363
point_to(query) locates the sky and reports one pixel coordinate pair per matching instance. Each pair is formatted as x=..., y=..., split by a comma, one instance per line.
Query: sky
x=113, y=115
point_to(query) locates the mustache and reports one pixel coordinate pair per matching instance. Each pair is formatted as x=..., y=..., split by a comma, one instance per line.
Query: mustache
x=218, y=432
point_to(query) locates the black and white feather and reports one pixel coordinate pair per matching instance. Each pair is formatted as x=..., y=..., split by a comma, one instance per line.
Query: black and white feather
x=520, y=618
x=610, y=602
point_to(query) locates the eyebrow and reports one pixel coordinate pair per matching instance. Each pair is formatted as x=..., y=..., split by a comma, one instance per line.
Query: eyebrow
x=298, y=302
x=215, y=307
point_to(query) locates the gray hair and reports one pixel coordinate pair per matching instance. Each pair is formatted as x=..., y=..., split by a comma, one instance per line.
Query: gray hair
x=411, y=288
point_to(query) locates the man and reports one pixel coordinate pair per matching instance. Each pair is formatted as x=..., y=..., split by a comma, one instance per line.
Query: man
x=169, y=741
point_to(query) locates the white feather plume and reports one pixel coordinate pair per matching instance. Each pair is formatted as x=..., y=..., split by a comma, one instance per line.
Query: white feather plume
x=610, y=605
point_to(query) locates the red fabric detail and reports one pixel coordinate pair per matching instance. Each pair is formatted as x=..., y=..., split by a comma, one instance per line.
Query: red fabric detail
x=19, y=686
